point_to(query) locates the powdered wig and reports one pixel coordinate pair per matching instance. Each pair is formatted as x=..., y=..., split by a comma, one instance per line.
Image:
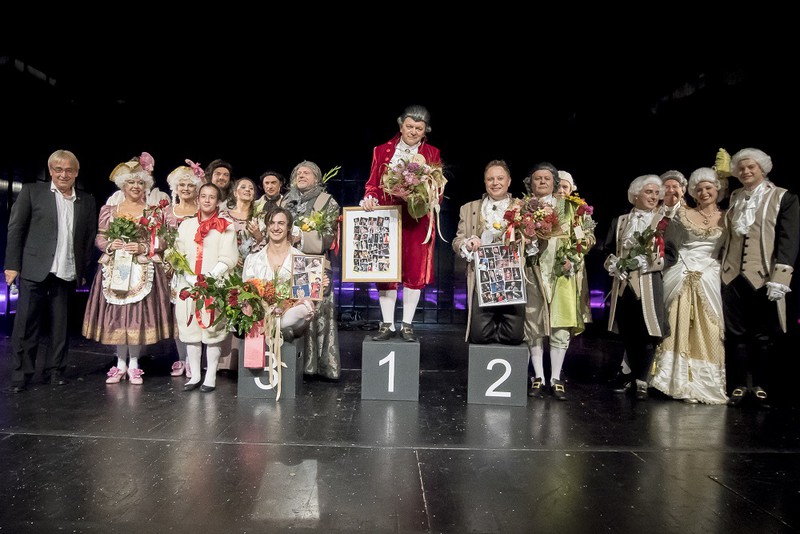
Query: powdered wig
x=417, y=113
x=704, y=174
x=311, y=165
x=763, y=160
x=547, y=166
x=128, y=170
x=638, y=184
x=675, y=175
x=564, y=176
x=182, y=173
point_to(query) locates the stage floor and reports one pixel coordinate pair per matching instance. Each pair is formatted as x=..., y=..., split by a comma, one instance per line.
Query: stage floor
x=91, y=457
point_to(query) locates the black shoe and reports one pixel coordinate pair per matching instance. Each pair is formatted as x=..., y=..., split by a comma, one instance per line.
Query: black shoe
x=537, y=388
x=621, y=382
x=558, y=389
x=57, y=379
x=761, y=397
x=385, y=332
x=287, y=334
x=189, y=386
x=16, y=388
x=737, y=396
x=207, y=389
x=641, y=392
x=407, y=331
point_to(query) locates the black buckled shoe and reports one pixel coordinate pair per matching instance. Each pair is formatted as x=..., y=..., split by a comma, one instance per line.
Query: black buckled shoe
x=621, y=382
x=641, y=392
x=761, y=397
x=558, y=389
x=737, y=396
x=537, y=388
x=407, y=332
x=385, y=332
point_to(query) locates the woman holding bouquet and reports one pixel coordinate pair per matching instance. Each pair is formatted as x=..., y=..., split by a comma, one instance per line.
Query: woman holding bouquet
x=208, y=242
x=307, y=199
x=635, y=260
x=417, y=255
x=129, y=303
x=184, y=182
x=557, y=295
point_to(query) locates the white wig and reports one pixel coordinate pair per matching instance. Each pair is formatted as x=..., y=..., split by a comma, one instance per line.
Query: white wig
x=128, y=170
x=638, y=184
x=564, y=176
x=675, y=175
x=181, y=173
x=763, y=160
x=704, y=174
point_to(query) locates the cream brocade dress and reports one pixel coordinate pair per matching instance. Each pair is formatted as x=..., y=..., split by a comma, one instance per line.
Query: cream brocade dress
x=690, y=361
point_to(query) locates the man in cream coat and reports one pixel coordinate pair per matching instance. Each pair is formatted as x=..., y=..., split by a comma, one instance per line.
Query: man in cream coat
x=763, y=229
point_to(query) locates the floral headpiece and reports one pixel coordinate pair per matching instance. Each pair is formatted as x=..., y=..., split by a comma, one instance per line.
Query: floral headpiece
x=196, y=168
x=147, y=162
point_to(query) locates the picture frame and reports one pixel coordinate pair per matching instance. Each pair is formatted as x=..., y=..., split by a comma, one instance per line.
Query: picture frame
x=371, y=244
x=307, y=271
x=499, y=275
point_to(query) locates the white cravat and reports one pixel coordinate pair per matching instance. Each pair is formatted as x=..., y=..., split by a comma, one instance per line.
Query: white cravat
x=639, y=221
x=404, y=151
x=744, y=209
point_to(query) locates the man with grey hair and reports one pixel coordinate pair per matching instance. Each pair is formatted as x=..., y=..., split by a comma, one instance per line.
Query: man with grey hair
x=674, y=184
x=417, y=255
x=763, y=225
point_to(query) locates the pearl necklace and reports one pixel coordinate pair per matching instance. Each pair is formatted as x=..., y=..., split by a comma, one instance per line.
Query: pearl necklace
x=705, y=216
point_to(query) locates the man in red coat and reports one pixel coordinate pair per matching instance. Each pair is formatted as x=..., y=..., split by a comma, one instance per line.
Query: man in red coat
x=417, y=258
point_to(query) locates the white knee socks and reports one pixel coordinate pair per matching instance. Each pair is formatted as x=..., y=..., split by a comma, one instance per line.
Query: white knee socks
x=537, y=358
x=194, y=354
x=388, y=299
x=213, y=353
x=410, y=301
x=557, y=357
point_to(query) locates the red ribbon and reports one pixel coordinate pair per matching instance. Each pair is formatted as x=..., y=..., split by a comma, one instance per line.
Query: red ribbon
x=335, y=244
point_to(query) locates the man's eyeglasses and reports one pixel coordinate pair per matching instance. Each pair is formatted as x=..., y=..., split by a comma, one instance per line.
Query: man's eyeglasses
x=68, y=171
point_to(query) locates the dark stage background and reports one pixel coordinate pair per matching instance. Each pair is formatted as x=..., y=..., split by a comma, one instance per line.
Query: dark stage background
x=615, y=108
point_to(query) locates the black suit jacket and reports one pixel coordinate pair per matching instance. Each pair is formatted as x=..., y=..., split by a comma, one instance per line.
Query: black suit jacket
x=33, y=232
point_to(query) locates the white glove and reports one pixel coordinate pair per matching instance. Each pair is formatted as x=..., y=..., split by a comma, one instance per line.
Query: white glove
x=532, y=249
x=776, y=291
x=218, y=270
x=613, y=271
x=643, y=264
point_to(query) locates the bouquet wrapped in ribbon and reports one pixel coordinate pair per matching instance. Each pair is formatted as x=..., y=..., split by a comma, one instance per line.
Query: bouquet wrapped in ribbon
x=419, y=185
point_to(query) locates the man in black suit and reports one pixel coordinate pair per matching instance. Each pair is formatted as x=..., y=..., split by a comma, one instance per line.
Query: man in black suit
x=50, y=238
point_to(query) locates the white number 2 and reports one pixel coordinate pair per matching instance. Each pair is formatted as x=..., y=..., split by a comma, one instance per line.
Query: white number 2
x=492, y=390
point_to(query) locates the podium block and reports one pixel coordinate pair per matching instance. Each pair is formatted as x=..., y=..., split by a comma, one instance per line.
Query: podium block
x=255, y=383
x=389, y=370
x=498, y=374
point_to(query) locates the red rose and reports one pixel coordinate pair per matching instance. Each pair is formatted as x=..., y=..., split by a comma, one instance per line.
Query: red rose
x=144, y=221
x=184, y=294
x=164, y=203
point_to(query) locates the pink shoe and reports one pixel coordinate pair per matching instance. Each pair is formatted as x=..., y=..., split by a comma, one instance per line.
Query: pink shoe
x=115, y=374
x=177, y=368
x=187, y=369
x=135, y=376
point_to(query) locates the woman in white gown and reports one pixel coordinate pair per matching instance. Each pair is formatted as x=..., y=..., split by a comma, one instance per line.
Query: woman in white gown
x=690, y=361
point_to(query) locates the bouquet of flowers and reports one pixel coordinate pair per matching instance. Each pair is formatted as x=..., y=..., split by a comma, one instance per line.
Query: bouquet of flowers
x=153, y=221
x=241, y=303
x=323, y=221
x=648, y=246
x=580, y=238
x=418, y=183
x=123, y=227
x=532, y=218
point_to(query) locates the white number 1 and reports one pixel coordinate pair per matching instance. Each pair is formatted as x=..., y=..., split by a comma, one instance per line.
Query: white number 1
x=390, y=360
